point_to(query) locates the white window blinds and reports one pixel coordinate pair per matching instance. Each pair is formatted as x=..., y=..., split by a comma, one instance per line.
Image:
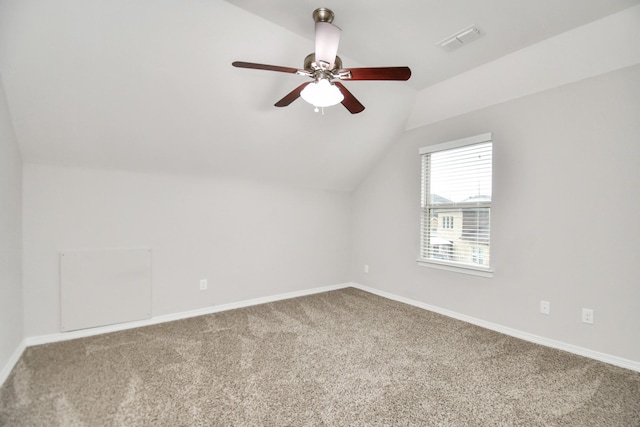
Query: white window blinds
x=456, y=203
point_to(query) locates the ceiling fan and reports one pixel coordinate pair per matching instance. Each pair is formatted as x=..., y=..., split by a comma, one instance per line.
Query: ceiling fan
x=324, y=66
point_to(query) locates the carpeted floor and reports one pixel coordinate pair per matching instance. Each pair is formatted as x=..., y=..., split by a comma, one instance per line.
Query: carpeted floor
x=345, y=357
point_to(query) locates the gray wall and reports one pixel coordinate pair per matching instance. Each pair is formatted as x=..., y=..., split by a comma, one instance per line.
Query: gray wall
x=11, y=316
x=248, y=239
x=564, y=225
x=564, y=220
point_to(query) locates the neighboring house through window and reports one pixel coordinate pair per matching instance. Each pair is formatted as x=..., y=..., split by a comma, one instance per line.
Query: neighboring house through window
x=456, y=204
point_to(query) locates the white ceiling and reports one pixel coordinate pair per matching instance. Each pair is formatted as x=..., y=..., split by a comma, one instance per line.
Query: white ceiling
x=148, y=85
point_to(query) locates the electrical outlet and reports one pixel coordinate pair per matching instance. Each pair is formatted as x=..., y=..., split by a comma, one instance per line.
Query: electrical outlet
x=587, y=315
x=545, y=307
x=366, y=268
x=203, y=284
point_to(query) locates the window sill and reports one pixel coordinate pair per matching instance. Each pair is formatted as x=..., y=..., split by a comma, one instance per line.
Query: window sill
x=482, y=272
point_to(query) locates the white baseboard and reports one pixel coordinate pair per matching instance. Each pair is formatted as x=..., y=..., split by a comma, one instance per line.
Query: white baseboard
x=602, y=357
x=64, y=336
x=11, y=363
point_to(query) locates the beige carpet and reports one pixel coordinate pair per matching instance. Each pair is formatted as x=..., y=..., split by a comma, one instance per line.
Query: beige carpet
x=338, y=358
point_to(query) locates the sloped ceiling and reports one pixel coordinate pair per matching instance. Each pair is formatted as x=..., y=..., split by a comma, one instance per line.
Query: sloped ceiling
x=148, y=85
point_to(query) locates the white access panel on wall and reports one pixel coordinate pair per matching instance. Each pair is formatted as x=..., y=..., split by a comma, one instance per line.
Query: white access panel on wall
x=104, y=287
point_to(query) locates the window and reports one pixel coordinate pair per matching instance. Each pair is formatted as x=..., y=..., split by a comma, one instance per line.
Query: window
x=456, y=204
x=477, y=255
x=447, y=222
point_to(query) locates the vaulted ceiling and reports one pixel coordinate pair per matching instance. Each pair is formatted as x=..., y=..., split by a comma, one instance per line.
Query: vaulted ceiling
x=148, y=85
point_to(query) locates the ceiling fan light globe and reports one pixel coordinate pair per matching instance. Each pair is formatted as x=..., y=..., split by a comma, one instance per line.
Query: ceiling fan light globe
x=322, y=94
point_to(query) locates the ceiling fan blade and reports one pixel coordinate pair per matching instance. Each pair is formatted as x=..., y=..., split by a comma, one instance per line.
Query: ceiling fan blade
x=291, y=96
x=327, y=41
x=377, y=73
x=350, y=102
x=241, y=64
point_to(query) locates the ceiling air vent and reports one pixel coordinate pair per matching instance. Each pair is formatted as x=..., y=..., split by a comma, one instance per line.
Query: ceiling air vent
x=460, y=38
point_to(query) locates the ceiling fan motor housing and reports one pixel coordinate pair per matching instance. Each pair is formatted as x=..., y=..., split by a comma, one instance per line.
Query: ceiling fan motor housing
x=310, y=63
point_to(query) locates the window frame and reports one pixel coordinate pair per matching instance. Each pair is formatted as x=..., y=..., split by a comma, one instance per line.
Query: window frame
x=465, y=268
